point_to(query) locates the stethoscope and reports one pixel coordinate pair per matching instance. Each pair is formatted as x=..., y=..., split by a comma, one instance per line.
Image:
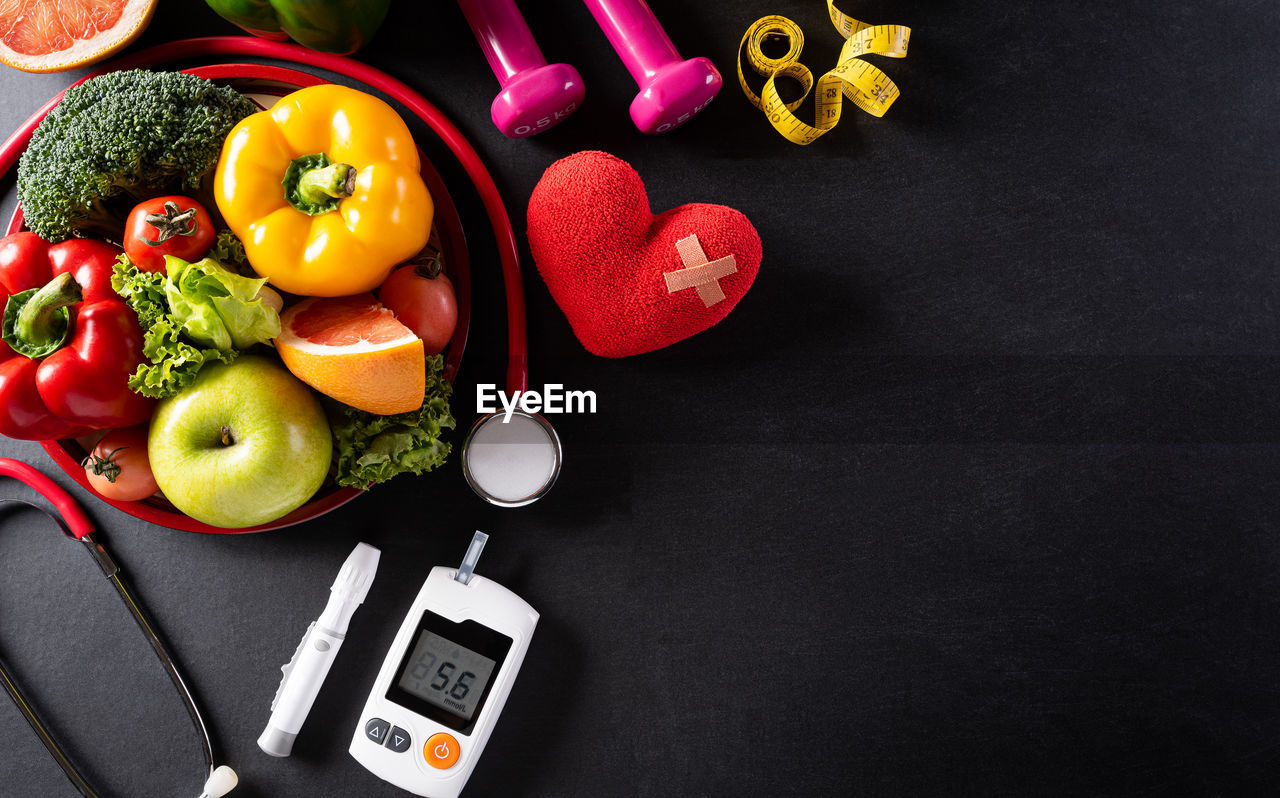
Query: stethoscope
x=220, y=779
x=490, y=436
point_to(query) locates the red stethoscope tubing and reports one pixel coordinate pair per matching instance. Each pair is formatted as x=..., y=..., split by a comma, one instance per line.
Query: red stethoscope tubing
x=68, y=509
x=504, y=234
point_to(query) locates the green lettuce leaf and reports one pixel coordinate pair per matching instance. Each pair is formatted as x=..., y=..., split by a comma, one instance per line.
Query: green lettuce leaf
x=216, y=307
x=229, y=251
x=368, y=448
x=174, y=362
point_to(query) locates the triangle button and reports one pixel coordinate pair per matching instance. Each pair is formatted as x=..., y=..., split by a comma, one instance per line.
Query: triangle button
x=398, y=740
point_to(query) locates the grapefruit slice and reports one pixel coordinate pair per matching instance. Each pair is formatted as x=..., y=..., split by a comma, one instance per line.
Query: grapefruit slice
x=53, y=35
x=352, y=349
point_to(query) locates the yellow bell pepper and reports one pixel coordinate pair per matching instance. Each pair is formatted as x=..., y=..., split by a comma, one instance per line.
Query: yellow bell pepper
x=325, y=192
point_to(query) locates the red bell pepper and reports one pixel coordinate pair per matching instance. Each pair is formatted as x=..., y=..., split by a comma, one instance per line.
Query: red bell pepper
x=70, y=342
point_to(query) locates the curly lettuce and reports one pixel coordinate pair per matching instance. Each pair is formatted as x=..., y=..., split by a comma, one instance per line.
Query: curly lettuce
x=228, y=250
x=368, y=448
x=196, y=314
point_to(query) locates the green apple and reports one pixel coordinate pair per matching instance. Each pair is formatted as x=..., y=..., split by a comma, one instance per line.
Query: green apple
x=244, y=444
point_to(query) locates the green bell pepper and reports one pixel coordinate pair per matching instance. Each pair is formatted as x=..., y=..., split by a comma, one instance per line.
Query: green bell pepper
x=334, y=26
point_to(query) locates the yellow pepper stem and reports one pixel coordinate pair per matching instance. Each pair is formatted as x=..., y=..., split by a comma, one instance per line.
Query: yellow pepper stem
x=335, y=180
x=315, y=185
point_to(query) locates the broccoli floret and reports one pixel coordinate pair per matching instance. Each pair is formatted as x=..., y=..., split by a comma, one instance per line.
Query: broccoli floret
x=130, y=134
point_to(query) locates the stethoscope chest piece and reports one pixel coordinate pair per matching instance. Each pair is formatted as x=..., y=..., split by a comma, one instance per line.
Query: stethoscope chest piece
x=511, y=459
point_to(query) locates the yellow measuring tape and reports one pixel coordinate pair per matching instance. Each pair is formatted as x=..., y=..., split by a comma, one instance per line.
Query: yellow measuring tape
x=864, y=84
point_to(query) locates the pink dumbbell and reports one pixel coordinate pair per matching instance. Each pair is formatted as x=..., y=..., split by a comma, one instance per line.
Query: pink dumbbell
x=535, y=95
x=672, y=90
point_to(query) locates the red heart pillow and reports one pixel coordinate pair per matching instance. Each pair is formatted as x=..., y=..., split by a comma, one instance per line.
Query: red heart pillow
x=614, y=268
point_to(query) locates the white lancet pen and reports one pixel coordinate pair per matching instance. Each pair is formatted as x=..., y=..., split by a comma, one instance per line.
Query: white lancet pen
x=306, y=671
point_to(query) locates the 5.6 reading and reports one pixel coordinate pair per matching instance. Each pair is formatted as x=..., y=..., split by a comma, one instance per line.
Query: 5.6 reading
x=440, y=680
x=446, y=674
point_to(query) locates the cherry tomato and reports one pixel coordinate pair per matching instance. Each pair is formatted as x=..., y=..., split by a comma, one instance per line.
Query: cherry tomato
x=422, y=298
x=118, y=467
x=177, y=226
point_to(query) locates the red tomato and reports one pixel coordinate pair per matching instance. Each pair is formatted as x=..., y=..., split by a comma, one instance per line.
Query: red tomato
x=423, y=303
x=177, y=226
x=118, y=467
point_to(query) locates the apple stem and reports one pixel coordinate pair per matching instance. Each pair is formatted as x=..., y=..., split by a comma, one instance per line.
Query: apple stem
x=226, y=435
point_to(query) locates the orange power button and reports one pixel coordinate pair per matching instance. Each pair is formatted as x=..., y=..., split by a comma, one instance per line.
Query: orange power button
x=441, y=751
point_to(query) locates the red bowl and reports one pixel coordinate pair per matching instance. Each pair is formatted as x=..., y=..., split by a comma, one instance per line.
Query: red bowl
x=267, y=81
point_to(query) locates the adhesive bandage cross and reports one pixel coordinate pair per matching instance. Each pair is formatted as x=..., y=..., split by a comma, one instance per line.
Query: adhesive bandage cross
x=699, y=273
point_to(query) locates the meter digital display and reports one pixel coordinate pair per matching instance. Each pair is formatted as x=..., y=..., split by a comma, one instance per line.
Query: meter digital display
x=447, y=673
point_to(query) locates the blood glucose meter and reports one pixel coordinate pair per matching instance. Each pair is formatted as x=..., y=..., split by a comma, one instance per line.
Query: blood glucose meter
x=444, y=681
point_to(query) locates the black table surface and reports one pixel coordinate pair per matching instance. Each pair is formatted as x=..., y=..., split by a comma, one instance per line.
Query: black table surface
x=974, y=493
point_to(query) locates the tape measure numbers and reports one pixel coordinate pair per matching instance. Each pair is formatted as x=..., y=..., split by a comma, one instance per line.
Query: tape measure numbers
x=862, y=82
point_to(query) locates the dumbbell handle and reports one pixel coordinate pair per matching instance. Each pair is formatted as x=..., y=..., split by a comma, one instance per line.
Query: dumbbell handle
x=636, y=34
x=504, y=37
x=535, y=95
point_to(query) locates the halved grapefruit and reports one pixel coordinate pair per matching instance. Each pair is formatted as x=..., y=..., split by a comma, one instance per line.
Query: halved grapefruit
x=53, y=35
x=352, y=349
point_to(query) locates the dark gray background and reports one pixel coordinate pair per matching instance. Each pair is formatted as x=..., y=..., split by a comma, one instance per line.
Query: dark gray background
x=974, y=493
